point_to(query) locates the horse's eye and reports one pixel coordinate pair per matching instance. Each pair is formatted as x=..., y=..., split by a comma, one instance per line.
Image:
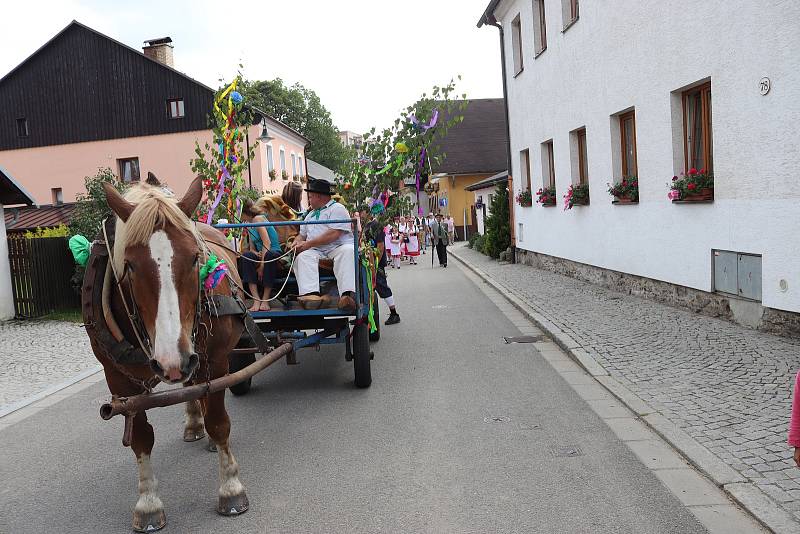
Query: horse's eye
x=129, y=266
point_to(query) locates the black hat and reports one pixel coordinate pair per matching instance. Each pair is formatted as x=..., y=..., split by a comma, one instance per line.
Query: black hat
x=317, y=185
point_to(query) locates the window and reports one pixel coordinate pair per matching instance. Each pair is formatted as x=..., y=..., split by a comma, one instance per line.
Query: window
x=583, y=165
x=548, y=164
x=697, y=128
x=539, y=27
x=627, y=134
x=300, y=165
x=270, y=161
x=570, y=12
x=58, y=196
x=283, y=161
x=129, y=169
x=22, y=127
x=525, y=168
x=175, y=108
x=516, y=44
x=294, y=165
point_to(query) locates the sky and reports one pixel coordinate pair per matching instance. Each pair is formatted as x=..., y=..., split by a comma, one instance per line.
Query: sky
x=366, y=59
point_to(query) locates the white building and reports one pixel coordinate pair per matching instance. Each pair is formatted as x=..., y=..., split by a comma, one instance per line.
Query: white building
x=601, y=90
x=352, y=139
x=484, y=192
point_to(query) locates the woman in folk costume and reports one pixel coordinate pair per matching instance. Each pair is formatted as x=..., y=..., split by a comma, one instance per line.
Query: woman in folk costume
x=412, y=245
x=394, y=248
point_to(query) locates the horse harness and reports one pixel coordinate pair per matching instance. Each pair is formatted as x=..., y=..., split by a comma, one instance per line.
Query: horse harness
x=139, y=351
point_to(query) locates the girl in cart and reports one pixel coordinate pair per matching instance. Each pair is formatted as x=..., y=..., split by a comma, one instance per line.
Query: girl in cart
x=394, y=248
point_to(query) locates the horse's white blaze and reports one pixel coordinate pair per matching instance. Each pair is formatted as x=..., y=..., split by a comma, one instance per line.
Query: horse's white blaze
x=168, y=316
x=230, y=485
x=149, y=501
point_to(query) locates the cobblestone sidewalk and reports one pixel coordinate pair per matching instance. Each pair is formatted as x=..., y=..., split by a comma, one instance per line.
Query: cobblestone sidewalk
x=728, y=387
x=35, y=355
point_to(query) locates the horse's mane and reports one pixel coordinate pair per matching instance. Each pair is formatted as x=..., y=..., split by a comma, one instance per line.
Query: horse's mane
x=154, y=210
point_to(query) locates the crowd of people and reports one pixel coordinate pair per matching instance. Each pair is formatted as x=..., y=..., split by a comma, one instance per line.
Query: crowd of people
x=408, y=237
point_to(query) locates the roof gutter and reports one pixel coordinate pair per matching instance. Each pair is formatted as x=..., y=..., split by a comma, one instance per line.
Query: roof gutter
x=489, y=19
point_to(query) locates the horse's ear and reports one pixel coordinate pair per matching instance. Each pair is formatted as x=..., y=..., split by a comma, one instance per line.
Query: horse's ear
x=152, y=180
x=191, y=199
x=118, y=205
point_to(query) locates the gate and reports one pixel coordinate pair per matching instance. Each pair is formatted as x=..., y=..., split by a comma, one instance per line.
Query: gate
x=41, y=272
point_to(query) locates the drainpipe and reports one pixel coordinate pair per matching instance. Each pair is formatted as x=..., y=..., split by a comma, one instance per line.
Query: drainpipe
x=489, y=19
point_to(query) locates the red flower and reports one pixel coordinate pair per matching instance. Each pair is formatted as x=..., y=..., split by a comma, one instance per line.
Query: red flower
x=702, y=171
x=692, y=171
x=691, y=187
x=635, y=184
x=624, y=183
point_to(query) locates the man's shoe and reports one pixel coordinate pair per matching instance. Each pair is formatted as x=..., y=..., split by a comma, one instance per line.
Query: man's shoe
x=393, y=319
x=346, y=303
x=310, y=302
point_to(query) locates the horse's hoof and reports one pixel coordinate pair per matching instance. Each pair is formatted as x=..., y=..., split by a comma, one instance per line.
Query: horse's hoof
x=211, y=447
x=149, y=521
x=191, y=434
x=235, y=505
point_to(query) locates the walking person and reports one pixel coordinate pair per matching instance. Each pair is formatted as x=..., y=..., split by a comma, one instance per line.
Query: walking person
x=451, y=229
x=255, y=268
x=394, y=248
x=412, y=246
x=440, y=238
x=376, y=236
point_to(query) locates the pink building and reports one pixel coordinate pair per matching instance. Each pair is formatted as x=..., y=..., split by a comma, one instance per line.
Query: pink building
x=84, y=101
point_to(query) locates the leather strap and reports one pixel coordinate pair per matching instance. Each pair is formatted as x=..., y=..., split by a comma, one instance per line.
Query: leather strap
x=227, y=305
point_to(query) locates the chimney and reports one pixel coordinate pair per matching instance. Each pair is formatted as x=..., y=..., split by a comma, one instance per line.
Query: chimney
x=160, y=49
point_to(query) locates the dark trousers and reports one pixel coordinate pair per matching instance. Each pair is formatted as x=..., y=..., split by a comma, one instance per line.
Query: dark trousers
x=382, y=285
x=249, y=269
x=441, y=251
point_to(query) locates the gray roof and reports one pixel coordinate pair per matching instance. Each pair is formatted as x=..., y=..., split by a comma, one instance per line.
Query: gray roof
x=498, y=178
x=478, y=144
x=316, y=170
x=11, y=192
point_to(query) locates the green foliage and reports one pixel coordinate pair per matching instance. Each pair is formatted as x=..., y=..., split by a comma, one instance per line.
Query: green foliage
x=691, y=183
x=625, y=188
x=498, y=224
x=392, y=154
x=91, y=207
x=300, y=108
x=56, y=231
x=477, y=242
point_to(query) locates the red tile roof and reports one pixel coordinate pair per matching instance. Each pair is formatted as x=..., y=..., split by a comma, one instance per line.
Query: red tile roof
x=29, y=218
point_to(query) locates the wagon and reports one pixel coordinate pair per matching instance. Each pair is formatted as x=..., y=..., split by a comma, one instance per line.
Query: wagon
x=287, y=321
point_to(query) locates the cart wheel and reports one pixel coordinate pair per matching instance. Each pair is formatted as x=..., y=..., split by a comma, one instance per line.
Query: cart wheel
x=376, y=335
x=237, y=362
x=361, y=356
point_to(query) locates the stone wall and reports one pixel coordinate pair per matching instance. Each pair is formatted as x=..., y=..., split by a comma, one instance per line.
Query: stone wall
x=744, y=312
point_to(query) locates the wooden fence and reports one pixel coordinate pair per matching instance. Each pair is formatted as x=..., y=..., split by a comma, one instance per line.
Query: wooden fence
x=41, y=272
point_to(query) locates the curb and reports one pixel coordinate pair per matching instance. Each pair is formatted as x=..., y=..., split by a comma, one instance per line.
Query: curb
x=27, y=401
x=744, y=493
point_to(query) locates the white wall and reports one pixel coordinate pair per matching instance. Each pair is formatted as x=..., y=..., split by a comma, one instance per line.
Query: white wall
x=6, y=293
x=636, y=53
x=484, y=193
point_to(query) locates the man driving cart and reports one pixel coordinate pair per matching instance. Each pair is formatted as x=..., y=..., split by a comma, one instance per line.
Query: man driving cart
x=316, y=241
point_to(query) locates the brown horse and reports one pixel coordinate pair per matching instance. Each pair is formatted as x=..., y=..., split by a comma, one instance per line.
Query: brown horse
x=157, y=256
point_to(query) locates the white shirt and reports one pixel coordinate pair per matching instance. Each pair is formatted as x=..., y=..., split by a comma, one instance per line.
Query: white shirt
x=331, y=211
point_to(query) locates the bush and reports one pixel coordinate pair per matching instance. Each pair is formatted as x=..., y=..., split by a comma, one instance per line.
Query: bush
x=498, y=224
x=56, y=231
x=91, y=207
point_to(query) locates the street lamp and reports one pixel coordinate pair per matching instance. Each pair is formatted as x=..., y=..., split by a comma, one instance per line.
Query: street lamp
x=265, y=136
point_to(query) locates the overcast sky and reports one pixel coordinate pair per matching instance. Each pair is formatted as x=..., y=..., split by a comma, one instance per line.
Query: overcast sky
x=366, y=59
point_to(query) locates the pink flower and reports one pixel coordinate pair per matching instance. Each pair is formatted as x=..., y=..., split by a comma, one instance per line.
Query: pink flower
x=692, y=171
x=673, y=194
x=691, y=187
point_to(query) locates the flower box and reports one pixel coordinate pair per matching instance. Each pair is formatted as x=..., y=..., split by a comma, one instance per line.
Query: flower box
x=625, y=191
x=524, y=198
x=694, y=186
x=546, y=196
x=577, y=195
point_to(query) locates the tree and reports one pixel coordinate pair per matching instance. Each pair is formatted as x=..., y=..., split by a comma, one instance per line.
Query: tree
x=498, y=224
x=300, y=108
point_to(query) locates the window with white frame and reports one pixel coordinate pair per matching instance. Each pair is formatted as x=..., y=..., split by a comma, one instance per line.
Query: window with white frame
x=300, y=165
x=175, y=109
x=548, y=165
x=270, y=161
x=283, y=161
x=569, y=10
x=294, y=165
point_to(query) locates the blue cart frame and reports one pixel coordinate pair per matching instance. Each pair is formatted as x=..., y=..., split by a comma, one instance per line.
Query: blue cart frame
x=329, y=325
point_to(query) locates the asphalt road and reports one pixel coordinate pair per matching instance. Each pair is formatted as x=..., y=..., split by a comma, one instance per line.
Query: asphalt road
x=413, y=453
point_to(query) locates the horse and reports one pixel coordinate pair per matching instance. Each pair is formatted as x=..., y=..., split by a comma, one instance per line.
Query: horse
x=155, y=303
